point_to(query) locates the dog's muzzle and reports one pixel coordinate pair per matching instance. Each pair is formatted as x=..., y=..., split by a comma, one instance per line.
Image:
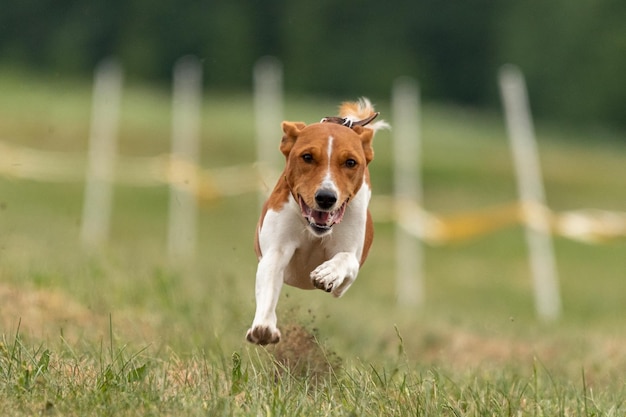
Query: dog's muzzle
x=322, y=219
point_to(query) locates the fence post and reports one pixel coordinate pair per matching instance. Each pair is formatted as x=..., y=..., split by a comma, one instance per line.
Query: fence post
x=101, y=156
x=407, y=189
x=186, y=120
x=268, y=110
x=531, y=192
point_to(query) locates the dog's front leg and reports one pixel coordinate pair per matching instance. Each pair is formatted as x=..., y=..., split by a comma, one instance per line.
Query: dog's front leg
x=337, y=274
x=269, y=281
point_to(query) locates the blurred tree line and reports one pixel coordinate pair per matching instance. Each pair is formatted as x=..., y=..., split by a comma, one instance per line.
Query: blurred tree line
x=573, y=52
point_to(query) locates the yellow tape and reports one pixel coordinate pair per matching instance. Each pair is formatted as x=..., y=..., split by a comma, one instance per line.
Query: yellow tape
x=591, y=226
x=51, y=166
x=438, y=229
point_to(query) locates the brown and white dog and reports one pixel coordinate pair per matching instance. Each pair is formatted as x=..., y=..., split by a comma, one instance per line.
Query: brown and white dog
x=315, y=230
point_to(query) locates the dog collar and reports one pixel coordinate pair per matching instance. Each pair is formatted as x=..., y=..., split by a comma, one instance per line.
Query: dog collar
x=349, y=122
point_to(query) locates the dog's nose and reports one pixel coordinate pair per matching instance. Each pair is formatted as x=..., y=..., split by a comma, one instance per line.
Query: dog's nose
x=325, y=199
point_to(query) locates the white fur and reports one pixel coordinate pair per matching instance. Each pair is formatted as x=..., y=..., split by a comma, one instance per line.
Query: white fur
x=327, y=181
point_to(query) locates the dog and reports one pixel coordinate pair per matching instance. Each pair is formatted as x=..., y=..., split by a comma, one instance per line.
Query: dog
x=315, y=229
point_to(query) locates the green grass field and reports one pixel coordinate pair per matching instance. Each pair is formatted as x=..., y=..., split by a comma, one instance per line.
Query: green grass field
x=120, y=332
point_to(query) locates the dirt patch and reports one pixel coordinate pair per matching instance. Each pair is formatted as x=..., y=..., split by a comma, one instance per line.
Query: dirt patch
x=45, y=313
x=300, y=354
x=601, y=357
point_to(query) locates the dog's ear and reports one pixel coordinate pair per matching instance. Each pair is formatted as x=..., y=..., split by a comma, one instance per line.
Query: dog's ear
x=366, y=136
x=291, y=131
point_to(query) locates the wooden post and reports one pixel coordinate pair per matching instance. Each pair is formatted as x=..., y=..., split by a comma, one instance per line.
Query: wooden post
x=407, y=189
x=101, y=156
x=531, y=192
x=268, y=109
x=186, y=120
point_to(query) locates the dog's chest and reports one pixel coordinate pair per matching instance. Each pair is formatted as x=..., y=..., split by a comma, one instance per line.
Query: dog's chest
x=309, y=255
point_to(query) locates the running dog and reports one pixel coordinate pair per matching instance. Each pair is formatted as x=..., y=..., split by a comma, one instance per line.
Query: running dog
x=315, y=229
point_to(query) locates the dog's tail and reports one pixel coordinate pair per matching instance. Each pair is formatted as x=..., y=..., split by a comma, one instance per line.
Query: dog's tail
x=361, y=110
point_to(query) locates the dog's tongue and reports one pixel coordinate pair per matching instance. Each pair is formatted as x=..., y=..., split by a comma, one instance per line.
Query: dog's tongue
x=322, y=217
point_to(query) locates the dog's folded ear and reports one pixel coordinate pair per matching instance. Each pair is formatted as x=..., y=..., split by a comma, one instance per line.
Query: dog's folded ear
x=291, y=131
x=366, y=136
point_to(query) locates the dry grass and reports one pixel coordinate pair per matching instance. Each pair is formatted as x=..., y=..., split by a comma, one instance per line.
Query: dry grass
x=46, y=314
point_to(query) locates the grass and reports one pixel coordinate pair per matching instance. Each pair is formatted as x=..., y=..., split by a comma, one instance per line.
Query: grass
x=123, y=332
x=111, y=380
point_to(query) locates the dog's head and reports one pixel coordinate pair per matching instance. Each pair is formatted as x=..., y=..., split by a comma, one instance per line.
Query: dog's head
x=326, y=167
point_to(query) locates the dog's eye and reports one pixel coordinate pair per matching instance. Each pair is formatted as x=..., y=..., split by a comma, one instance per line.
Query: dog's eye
x=350, y=163
x=307, y=157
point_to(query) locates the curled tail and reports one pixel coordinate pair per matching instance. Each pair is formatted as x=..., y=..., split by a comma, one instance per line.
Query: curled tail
x=359, y=111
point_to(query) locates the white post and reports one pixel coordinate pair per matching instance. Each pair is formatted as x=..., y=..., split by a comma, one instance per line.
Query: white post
x=407, y=189
x=268, y=109
x=101, y=156
x=531, y=192
x=186, y=119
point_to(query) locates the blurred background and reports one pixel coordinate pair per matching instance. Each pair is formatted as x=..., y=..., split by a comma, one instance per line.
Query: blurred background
x=573, y=53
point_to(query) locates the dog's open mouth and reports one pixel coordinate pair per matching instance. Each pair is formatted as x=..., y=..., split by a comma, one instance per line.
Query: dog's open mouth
x=321, y=221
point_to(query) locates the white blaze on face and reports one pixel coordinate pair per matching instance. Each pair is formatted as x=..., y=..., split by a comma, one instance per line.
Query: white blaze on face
x=327, y=182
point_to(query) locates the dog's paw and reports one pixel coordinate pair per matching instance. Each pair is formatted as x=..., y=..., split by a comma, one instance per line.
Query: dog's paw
x=337, y=274
x=326, y=277
x=263, y=335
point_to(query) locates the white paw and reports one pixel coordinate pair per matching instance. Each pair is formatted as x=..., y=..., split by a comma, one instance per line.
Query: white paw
x=329, y=278
x=263, y=335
